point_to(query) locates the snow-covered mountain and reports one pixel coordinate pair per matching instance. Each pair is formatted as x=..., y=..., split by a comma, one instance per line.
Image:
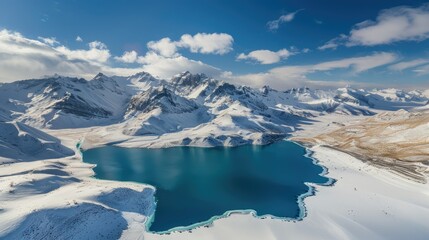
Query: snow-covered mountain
x=19, y=141
x=63, y=102
x=144, y=105
x=160, y=110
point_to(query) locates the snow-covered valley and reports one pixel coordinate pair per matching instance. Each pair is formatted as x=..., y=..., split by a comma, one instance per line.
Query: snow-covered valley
x=47, y=191
x=189, y=109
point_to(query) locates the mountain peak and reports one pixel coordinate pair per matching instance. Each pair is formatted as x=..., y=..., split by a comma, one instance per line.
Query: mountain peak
x=143, y=76
x=99, y=75
x=188, y=79
x=266, y=89
x=142, y=73
x=162, y=98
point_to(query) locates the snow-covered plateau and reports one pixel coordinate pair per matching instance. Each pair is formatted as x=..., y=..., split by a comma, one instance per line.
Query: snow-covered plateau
x=374, y=143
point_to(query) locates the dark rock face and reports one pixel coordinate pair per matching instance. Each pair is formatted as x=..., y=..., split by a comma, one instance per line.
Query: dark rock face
x=144, y=76
x=67, y=95
x=355, y=97
x=244, y=95
x=266, y=90
x=187, y=79
x=102, y=81
x=268, y=138
x=52, y=84
x=226, y=89
x=162, y=98
x=297, y=90
x=76, y=105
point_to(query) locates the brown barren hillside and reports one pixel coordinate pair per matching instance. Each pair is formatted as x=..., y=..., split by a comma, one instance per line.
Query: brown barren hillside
x=398, y=141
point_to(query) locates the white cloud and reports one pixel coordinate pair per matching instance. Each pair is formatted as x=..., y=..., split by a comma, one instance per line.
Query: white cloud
x=357, y=64
x=164, y=61
x=408, y=64
x=214, y=43
x=128, y=57
x=13, y=43
x=266, y=56
x=334, y=43
x=22, y=58
x=392, y=25
x=50, y=41
x=165, y=47
x=295, y=76
x=423, y=70
x=275, y=24
x=97, y=45
x=165, y=67
x=97, y=52
x=79, y=39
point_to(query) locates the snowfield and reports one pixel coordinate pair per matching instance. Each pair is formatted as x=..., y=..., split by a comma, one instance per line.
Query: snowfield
x=365, y=203
x=47, y=192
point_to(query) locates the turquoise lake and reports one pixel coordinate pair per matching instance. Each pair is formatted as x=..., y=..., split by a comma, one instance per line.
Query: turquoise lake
x=195, y=184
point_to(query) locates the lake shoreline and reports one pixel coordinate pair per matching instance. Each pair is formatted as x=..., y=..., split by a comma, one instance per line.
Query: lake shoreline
x=365, y=202
x=331, y=207
x=300, y=198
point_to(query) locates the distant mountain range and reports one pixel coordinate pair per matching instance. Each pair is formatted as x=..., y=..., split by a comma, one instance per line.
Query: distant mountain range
x=144, y=105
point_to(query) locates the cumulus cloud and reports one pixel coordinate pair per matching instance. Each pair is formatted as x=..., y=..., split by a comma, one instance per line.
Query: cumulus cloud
x=22, y=58
x=294, y=76
x=206, y=43
x=408, y=64
x=266, y=56
x=275, y=24
x=163, y=59
x=50, y=41
x=165, y=47
x=391, y=25
x=127, y=57
x=97, y=52
x=215, y=43
x=79, y=39
x=165, y=67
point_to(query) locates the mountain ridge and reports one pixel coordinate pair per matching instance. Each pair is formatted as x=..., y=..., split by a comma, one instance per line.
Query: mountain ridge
x=195, y=104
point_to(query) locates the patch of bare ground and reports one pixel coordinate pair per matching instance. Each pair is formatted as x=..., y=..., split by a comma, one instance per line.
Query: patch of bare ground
x=397, y=141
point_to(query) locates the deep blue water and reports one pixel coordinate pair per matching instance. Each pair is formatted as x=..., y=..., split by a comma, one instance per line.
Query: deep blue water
x=194, y=184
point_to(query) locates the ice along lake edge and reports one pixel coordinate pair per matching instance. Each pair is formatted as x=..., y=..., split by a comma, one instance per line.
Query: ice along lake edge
x=196, y=179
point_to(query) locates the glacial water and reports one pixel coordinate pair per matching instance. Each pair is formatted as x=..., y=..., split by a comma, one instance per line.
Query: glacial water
x=196, y=184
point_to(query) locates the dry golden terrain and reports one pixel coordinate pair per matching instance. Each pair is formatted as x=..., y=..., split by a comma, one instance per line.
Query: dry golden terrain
x=398, y=141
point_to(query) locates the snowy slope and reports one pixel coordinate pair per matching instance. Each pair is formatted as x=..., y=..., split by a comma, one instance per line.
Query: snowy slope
x=159, y=110
x=63, y=102
x=397, y=140
x=45, y=192
x=19, y=141
x=202, y=108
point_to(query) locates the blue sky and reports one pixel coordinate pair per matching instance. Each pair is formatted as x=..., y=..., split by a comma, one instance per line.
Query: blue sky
x=279, y=43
